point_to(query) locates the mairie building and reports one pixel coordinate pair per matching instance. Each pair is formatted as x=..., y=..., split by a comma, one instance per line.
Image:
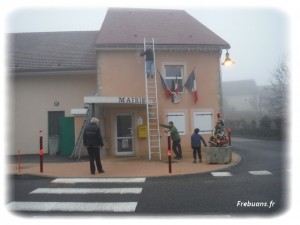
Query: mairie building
x=59, y=80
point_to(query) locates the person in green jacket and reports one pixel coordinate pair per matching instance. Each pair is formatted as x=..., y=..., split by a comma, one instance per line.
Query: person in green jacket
x=175, y=137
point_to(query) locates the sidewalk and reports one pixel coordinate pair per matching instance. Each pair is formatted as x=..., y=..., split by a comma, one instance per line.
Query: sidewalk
x=64, y=166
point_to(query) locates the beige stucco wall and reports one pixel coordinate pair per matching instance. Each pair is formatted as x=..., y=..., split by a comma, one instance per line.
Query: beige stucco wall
x=121, y=73
x=32, y=96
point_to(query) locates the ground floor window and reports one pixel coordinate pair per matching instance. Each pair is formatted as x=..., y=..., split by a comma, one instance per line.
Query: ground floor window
x=203, y=121
x=53, y=122
x=178, y=118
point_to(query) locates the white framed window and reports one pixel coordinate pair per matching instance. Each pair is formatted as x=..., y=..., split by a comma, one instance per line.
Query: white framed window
x=178, y=118
x=203, y=121
x=174, y=76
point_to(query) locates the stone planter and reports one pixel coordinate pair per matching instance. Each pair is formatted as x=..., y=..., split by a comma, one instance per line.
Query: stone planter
x=219, y=155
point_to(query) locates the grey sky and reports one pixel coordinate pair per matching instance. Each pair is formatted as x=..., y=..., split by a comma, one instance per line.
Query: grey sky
x=258, y=36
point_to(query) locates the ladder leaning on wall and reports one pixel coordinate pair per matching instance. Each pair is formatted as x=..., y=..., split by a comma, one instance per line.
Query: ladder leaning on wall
x=79, y=142
x=152, y=109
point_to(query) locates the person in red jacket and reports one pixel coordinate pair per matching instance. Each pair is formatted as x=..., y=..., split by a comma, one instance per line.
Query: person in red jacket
x=92, y=140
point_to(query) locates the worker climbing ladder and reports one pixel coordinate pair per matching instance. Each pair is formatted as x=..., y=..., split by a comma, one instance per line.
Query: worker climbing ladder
x=152, y=108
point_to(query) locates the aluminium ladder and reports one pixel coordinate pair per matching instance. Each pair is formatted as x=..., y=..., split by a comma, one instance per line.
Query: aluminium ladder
x=79, y=142
x=152, y=110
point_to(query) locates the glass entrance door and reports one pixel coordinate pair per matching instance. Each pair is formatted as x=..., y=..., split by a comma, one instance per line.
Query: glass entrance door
x=124, y=135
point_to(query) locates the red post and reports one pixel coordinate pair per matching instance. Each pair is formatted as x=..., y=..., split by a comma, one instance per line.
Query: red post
x=229, y=136
x=169, y=154
x=41, y=151
x=19, y=161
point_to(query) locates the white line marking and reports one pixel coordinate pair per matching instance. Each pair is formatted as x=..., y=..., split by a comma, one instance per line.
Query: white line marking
x=99, y=180
x=260, y=172
x=87, y=191
x=221, y=174
x=74, y=206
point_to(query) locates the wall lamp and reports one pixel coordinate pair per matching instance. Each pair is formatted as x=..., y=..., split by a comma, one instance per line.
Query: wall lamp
x=227, y=61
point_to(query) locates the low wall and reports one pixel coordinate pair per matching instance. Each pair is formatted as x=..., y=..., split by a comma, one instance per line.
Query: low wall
x=218, y=154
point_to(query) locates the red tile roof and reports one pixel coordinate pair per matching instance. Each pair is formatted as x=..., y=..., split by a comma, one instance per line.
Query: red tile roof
x=167, y=27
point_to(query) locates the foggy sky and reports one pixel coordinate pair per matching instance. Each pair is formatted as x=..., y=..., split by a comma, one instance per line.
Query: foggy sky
x=258, y=36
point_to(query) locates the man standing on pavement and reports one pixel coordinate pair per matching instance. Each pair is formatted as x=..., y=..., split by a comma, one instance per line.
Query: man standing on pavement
x=175, y=137
x=92, y=140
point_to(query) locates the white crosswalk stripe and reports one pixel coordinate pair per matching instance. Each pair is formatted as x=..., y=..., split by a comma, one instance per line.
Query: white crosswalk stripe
x=87, y=191
x=228, y=174
x=73, y=206
x=118, y=206
x=260, y=172
x=99, y=180
x=221, y=174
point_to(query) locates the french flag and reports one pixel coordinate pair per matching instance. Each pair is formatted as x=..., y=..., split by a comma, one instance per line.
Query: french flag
x=191, y=85
x=165, y=86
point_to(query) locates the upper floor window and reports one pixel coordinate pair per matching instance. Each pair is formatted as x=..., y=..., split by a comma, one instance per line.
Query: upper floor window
x=174, y=76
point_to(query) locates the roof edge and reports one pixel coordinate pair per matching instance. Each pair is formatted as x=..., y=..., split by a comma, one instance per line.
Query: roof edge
x=195, y=47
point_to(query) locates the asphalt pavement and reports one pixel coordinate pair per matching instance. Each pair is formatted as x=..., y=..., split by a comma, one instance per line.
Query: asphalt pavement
x=257, y=186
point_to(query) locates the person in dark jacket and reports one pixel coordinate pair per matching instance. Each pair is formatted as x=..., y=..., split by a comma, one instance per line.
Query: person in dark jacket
x=92, y=140
x=196, y=139
x=149, y=61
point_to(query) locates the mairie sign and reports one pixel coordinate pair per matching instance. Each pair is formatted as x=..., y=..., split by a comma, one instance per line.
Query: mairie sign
x=114, y=99
x=131, y=100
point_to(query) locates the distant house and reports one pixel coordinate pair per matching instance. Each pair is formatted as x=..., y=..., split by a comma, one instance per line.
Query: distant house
x=55, y=74
x=240, y=100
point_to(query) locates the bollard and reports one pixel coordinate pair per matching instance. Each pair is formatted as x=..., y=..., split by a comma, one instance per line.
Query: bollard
x=169, y=154
x=41, y=151
x=229, y=136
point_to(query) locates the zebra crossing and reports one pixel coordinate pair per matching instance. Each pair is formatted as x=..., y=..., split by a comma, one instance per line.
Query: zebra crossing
x=254, y=172
x=90, y=189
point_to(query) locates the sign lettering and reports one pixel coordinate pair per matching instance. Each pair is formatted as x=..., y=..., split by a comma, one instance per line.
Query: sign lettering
x=131, y=100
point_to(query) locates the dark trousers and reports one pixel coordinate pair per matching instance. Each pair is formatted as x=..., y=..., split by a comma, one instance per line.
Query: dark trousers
x=176, y=145
x=94, y=155
x=195, y=151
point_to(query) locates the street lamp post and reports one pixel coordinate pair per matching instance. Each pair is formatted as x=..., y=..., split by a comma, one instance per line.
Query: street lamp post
x=227, y=62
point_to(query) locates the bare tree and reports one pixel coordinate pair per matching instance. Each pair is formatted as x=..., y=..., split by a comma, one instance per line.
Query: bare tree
x=277, y=90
